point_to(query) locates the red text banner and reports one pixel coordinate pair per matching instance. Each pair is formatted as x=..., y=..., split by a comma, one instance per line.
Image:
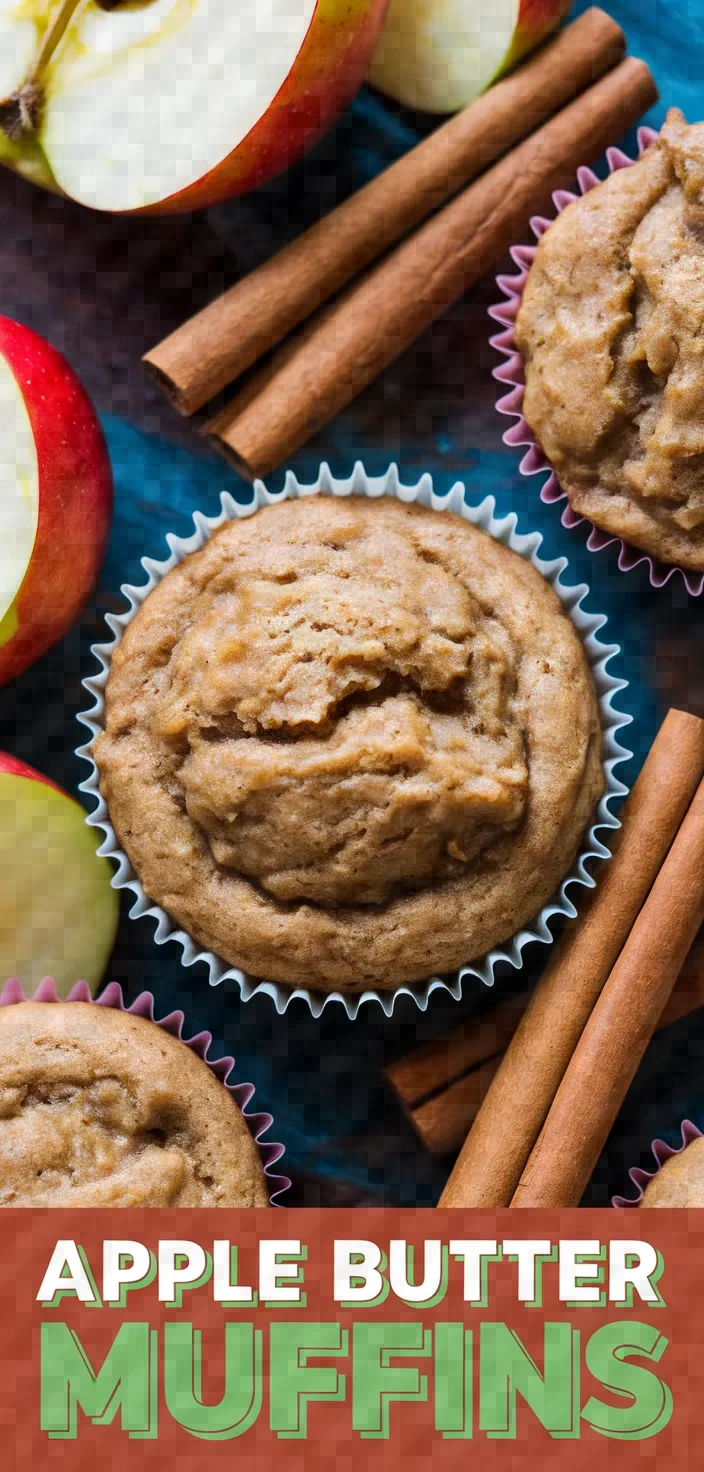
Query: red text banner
x=295, y=1338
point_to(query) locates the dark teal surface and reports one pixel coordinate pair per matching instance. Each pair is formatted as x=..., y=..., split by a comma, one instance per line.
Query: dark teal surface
x=345, y=1136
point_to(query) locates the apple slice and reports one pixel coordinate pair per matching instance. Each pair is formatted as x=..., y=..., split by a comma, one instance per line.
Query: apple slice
x=19, y=499
x=58, y=911
x=438, y=55
x=174, y=104
x=55, y=497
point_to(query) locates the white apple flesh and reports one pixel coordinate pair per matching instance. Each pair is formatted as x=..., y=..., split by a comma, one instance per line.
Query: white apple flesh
x=55, y=497
x=178, y=103
x=438, y=55
x=58, y=911
x=19, y=500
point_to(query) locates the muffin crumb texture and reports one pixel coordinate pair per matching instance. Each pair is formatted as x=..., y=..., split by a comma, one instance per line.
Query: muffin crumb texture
x=350, y=742
x=611, y=329
x=680, y=1181
x=102, y=1108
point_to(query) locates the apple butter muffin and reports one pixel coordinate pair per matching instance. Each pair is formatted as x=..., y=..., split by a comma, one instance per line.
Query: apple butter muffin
x=350, y=743
x=611, y=329
x=680, y=1181
x=103, y=1108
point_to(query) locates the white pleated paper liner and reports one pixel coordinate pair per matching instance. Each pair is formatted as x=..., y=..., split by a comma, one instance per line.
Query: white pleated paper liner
x=511, y=373
x=588, y=626
x=242, y=1093
x=662, y=1152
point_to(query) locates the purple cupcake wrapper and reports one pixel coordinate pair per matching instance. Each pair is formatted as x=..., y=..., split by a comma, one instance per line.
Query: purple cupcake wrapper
x=662, y=1153
x=242, y=1094
x=511, y=372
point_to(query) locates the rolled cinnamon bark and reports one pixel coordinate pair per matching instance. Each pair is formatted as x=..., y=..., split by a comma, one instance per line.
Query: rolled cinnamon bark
x=371, y=324
x=228, y=336
x=620, y=1027
x=688, y=993
x=496, y=1150
x=441, y=1086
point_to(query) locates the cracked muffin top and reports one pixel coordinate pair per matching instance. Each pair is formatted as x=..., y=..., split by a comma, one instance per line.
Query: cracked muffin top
x=350, y=742
x=103, y=1108
x=611, y=328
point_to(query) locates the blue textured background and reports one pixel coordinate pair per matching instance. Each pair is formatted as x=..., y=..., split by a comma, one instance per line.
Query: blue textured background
x=103, y=290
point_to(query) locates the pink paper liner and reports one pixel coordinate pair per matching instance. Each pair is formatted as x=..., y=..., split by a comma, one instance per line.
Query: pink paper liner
x=662, y=1152
x=511, y=372
x=242, y=1093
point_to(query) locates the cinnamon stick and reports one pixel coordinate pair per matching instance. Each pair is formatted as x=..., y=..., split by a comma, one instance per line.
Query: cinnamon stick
x=217, y=345
x=437, y=1118
x=688, y=994
x=434, y=1065
x=375, y=319
x=442, y=1085
x=495, y=1152
x=620, y=1027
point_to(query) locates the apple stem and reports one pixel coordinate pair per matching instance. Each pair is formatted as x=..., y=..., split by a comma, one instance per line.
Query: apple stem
x=20, y=114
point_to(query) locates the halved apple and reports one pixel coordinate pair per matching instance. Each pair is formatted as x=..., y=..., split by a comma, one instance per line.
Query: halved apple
x=55, y=497
x=58, y=912
x=438, y=55
x=169, y=105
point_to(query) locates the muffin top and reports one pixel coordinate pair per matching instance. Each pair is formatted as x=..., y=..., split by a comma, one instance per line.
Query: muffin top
x=102, y=1108
x=680, y=1181
x=610, y=328
x=350, y=742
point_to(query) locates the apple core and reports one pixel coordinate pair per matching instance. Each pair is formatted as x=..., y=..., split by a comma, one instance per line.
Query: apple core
x=140, y=100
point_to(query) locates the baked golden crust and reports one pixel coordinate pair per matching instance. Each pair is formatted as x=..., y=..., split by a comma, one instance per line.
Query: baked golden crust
x=610, y=327
x=680, y=1181
x=350, y=743
x=102, y=1108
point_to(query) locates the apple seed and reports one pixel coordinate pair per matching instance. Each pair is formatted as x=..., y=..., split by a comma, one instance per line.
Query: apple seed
x=20, y=114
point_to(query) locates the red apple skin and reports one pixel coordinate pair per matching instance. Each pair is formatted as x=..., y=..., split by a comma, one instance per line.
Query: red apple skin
x=328, y=71
x=75, y=497
x=15, y=768
x=536, y=19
